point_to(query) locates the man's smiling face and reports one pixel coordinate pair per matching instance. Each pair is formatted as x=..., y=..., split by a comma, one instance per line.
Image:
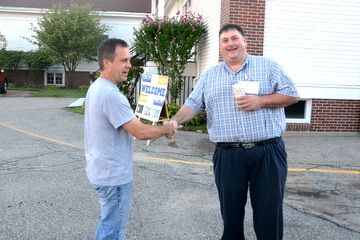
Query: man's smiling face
x=233, y=46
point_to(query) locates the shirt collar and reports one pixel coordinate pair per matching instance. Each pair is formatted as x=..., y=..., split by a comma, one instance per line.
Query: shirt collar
x=246, y=62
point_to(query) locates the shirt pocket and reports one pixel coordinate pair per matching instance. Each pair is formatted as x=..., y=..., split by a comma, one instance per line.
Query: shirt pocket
x=265, y=86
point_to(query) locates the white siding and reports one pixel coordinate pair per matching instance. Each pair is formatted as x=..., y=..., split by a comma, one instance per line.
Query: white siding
x=208, y=53
x=318, y=43
x=15, y=25
x=209, y=49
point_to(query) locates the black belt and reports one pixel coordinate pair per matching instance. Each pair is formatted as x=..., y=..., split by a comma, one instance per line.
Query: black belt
x=246, y=145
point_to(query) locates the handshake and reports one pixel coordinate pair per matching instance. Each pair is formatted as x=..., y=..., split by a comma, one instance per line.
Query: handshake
x=172, y=127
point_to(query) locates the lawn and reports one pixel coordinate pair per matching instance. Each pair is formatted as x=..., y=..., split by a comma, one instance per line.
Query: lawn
x=60, y=93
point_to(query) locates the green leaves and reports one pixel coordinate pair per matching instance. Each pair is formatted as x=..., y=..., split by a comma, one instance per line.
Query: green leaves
x=34, y=60
x=170, y=43
x=198, y=120
x=37, y=60
x=70, y=34
x=10, y=59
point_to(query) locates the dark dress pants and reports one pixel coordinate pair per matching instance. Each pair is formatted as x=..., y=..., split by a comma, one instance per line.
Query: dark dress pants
x=262, y=170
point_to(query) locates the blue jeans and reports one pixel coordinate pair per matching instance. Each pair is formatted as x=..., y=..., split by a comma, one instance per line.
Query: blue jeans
x=115, y=207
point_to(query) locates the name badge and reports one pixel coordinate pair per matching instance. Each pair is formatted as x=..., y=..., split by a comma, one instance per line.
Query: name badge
x=250, y=87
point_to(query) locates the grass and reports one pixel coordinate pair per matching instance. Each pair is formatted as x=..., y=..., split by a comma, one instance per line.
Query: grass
x=195, y=128
x=60, y=93
x=78, y=110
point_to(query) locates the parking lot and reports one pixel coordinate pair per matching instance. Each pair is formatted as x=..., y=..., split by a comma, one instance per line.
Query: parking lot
x=45, y=193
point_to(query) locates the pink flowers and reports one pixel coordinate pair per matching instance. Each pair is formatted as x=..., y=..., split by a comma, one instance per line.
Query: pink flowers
x=170, y=41
x=157, y=30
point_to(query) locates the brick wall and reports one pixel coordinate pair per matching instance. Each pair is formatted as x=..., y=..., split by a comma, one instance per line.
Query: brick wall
x=25, y=77
x=22, y=77
x=333, y=115
x=250, y=15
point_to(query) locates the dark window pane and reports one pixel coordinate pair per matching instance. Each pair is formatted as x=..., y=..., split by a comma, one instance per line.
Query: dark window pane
x=296, y=110
x=50, y=78
x=59, y=78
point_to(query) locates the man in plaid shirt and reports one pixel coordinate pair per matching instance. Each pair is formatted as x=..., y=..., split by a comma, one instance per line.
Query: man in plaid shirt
x=250, y=152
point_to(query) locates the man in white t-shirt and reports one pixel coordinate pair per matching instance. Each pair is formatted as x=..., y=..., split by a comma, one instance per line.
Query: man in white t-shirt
x=110, y=127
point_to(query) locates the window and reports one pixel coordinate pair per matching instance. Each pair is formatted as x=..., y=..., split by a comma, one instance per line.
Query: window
x=187, y=5
x=54, y=78
x=299, y=112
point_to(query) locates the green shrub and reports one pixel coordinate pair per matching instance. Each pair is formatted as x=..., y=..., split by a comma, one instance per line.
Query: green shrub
x=32, y=86
x=84, y=87
x=11, y=86
x=200, y=119
x=51, y=87
x=172, y=109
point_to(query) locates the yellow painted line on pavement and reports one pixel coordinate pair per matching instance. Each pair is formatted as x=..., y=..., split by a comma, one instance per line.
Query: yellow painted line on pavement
x=323, y=170
x=38, y=136
x=181, y=161
x=290, y=169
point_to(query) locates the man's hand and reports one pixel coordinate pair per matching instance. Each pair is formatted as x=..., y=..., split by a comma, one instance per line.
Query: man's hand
x=174, y=126
x=248, y=102
x=254, y=102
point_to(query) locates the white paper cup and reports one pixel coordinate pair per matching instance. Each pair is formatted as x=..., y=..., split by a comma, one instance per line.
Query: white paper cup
x=238, y=90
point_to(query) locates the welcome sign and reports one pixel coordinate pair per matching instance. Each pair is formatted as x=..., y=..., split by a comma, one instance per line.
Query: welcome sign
x=152, y=96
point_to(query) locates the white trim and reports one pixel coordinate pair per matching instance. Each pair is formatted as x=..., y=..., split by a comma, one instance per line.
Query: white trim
x=308, y=109
x=122, y=14
x=22, y=10
x=328, y=91
x=41, y=11
x=51, y=71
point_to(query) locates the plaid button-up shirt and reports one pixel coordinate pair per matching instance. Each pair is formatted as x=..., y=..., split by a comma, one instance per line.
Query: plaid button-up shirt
x=226, y=123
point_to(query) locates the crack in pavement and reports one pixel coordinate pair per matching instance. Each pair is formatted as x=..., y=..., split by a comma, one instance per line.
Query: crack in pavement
x=309, y=193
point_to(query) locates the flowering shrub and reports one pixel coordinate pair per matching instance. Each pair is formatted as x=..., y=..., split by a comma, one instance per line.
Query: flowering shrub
x=170, y=43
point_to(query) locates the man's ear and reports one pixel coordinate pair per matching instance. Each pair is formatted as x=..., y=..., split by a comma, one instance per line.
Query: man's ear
x=106, y=63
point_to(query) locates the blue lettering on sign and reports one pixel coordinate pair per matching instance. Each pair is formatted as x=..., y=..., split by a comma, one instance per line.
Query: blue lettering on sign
x=145, y=88
x=146, y=77
x=157, y=91
x=158, y=103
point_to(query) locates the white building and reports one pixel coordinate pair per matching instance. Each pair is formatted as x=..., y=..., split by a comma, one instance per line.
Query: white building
x=318, y=43
x=17, y=18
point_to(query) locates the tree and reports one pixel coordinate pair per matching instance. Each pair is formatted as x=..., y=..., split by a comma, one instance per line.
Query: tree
x=10, y=59
x=69, y=34
x=170, y=43
x=36, y=61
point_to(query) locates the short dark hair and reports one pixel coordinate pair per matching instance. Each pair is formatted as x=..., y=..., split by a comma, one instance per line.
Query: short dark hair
x=107, y=48
x=231, y=26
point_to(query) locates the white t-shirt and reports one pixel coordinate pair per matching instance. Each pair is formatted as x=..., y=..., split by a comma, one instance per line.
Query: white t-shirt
x=108, y=147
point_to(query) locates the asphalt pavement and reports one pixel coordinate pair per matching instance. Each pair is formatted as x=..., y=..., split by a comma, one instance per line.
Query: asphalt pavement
x=45, y=194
